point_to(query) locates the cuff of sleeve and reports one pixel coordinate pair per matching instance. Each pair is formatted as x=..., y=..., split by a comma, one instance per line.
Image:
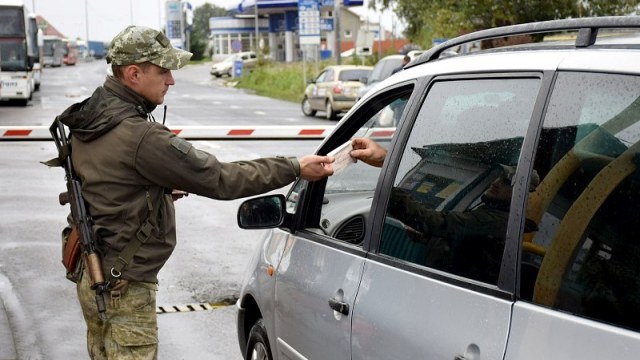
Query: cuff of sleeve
x=296, y=164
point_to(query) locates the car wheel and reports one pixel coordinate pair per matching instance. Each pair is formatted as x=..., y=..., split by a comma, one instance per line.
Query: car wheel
x=306, y=107
x=330, y=114
x=258, y=343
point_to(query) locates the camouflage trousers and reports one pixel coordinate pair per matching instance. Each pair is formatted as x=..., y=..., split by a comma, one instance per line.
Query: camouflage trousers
x=131, y=329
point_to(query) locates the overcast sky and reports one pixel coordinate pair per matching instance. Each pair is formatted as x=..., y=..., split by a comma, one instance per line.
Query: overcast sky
x=107, y=18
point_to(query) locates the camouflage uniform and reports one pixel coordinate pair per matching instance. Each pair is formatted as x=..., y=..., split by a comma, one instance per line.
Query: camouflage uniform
x=128, y=164
x=131, y=329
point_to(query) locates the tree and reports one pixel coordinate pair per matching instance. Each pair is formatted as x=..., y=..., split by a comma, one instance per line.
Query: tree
x=200, y=33
x=427, y=20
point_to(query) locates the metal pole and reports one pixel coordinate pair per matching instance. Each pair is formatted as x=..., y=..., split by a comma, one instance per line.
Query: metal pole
x=257, y=27
x=86, y=21
x=336, y=20
x=304, y=67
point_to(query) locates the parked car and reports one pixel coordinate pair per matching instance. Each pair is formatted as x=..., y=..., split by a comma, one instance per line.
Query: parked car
x=389, y=263
x=225, y=67
x=381, y=70
x=333, y=90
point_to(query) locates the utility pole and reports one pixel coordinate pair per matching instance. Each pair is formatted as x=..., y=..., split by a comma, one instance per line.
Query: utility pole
x=257, y=28
x=336, y=20
x=86, y=21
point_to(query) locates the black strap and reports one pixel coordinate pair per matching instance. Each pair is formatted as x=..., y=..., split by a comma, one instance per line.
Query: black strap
x=142, y=235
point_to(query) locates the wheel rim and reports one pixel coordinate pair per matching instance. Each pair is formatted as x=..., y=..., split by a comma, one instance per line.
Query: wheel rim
x=259, y=352
x=329, y=111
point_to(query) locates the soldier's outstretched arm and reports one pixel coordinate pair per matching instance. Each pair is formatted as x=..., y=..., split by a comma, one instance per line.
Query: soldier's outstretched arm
x=315, y=167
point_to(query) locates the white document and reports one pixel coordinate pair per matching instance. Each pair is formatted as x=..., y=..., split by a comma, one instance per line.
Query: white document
x=343, y=159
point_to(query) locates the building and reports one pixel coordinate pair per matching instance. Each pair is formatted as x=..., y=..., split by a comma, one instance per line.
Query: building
x=277, y=29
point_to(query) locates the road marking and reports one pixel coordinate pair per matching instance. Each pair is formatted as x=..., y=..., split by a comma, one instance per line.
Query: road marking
x=192, y=307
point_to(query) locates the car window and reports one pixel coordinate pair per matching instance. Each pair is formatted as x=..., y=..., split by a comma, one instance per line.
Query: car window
x=329, y=76
x=322, y=76
x=585, y=256
x=346, y=199
x=449, y=205
x=383, y=69
x=353, y=75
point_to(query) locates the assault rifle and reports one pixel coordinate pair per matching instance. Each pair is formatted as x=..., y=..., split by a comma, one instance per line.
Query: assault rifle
x=80, y=215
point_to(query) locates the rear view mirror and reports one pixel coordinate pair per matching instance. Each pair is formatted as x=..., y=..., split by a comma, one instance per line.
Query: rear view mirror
x=262, y=212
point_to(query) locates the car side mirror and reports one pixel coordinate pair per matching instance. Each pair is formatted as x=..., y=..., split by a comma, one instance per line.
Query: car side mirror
x=262, y=212
x=364, y=79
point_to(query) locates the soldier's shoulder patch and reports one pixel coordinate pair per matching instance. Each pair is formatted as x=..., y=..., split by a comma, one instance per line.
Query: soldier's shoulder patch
x=181, y=145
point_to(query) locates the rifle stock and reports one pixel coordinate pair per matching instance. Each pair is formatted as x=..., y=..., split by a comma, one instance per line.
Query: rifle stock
x=81, y=218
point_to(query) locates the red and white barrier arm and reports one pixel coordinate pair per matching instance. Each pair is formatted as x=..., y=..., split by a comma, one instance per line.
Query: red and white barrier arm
x=275, y=132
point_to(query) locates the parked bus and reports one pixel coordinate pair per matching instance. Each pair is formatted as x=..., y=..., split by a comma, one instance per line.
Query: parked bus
x=70, y=52
x=53, y=51
x=35, y=34
x=18, y=52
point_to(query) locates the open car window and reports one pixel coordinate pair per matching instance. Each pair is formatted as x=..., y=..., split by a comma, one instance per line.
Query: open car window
x=346, y=199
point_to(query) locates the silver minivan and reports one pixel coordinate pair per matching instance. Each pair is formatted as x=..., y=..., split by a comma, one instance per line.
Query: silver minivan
x=502, y=224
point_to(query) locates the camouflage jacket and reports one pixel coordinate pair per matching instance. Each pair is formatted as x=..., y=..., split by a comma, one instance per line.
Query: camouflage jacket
x=121, y=156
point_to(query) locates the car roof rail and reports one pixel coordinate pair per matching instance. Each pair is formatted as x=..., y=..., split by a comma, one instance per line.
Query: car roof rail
x=587, y=31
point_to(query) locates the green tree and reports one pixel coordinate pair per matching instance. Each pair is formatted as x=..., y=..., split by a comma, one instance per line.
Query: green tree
x=200, y=32
x=427, y=20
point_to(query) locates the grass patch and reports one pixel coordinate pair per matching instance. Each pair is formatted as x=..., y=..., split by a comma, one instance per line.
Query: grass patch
x=284, y=81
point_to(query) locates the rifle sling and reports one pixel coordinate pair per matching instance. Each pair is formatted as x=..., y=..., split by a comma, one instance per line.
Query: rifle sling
x=142, y=235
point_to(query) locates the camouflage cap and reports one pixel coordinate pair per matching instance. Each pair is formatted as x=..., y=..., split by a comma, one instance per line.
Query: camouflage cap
x=138, y=44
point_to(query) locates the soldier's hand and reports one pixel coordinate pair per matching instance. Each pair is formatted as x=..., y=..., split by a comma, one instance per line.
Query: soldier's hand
x=315, y=167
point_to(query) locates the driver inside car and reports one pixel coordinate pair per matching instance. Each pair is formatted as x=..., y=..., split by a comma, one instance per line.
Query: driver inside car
x=474, y=238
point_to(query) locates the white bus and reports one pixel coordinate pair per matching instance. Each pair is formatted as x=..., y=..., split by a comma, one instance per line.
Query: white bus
x=52, y=51
x=18, y=52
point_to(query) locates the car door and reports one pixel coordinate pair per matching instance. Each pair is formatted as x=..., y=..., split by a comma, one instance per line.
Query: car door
x=430, y=288
x=319, y=274
x=320, y=88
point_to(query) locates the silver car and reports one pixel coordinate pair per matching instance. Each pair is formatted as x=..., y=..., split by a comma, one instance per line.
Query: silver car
x=502, y=224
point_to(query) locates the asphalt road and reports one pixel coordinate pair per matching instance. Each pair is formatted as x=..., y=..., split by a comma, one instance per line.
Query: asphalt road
x=207, y=266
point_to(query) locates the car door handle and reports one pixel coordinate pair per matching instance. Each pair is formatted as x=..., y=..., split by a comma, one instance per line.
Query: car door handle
x=339, y=306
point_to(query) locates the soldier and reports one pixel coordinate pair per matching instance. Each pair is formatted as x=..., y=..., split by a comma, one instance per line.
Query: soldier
x=128, y=165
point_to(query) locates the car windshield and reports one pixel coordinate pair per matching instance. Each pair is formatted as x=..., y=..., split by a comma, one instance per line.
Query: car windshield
x=353, y=75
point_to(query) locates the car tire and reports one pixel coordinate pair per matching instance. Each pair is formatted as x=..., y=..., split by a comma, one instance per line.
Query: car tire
x=306, y=107
x=258, y=343
x=329, y=112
